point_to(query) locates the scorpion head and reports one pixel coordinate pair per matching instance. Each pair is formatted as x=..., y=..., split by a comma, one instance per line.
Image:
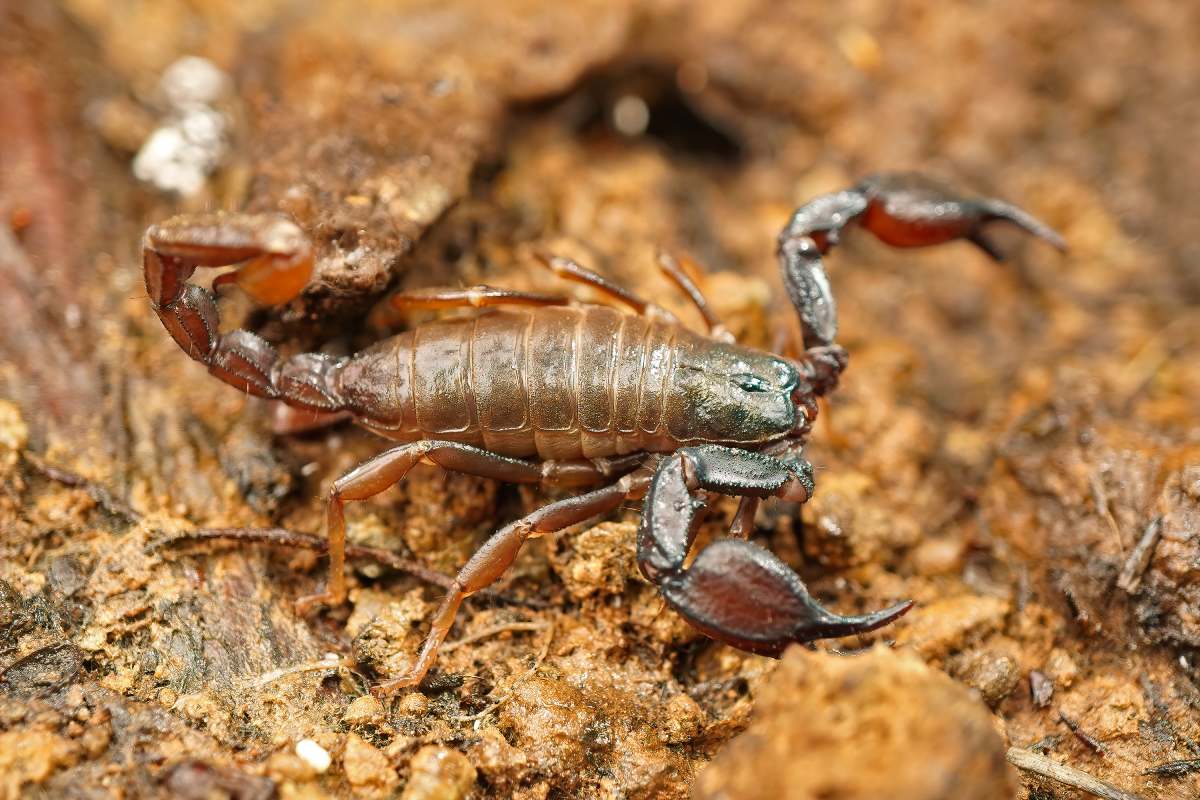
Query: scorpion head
x=733, y=395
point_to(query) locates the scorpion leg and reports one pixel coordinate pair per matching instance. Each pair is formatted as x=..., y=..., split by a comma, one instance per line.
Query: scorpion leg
x=900, y=209
x=573, y=271
x=671, y=267
x=475, y=297
x=499, y=552
x=389, y=468
x=735, y=591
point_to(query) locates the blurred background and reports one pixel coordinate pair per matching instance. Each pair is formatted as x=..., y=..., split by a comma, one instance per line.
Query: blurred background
x=1014, y=446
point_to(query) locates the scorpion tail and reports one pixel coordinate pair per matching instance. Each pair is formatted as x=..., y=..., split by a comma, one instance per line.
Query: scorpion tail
x=900, y=209
x=275, y=259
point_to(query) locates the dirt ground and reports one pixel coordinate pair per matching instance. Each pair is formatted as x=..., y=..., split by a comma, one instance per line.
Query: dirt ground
x=1015, y=447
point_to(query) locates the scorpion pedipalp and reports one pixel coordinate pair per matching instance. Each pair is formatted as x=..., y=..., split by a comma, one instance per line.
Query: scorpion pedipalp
x=274, y=262
x=735, y=591
x=902, y=210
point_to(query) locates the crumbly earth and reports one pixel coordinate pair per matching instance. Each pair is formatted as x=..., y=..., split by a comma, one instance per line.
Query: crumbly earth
x=1014, y=446
x=818, y=707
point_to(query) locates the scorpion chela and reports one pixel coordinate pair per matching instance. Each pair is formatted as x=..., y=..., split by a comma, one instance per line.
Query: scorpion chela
x=534, y=389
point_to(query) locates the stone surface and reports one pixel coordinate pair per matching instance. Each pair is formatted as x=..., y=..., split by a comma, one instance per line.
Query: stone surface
x=821, y=720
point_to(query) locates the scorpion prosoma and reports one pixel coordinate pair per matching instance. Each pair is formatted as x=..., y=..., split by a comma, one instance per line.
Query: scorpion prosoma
x=544, y=392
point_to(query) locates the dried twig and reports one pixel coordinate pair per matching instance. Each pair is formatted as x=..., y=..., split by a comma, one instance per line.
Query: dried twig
x=326, y=662
x=493, y=630
x=304, y=541
x=1175, y=769
x=1105, y=508
x=1069, y=776
x=1092, y=743
x=103, y=497
x=1139, y=558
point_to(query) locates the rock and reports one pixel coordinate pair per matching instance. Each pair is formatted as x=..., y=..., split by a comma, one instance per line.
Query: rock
x=601, y=560
x=502, y=764
x=1061, y=668
x=946, y=625
x=367, y=769
x=993, y=675
x=439, y=773
x=882, y=724
x=365, y=710
x=684, y=719
x=1041, y=688
x=14, y=433
x=30, y=757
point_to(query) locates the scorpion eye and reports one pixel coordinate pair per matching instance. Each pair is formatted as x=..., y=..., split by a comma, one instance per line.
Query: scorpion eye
x=751, y=383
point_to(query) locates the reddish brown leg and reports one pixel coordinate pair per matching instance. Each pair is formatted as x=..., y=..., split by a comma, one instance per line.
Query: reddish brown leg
x=388, y=468
x=743, y=519
x=390, y=315
x=498, y=554
x=570, y=270
x=288, y=421
x=672, y=268
x=475, y=297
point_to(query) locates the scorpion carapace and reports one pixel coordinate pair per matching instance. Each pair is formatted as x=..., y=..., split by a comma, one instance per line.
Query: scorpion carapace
x=540, y=391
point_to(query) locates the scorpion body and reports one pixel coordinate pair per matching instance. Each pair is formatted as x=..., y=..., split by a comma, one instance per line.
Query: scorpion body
x=569, y=383
x=544, y=392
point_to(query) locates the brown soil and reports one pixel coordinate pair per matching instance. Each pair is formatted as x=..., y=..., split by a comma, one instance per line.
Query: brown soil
x=1014, y=446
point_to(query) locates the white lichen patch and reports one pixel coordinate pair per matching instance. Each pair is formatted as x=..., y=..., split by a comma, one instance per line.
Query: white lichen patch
x=314, y=755
x=194, y=136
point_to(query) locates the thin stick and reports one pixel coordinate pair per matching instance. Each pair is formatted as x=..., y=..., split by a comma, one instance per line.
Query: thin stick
x=1049, y=768
x=328, y=661
x=1105, y=509
x=513, y=686
x=1082, y=735
x=74, y=480
x=1140, y=556
x=303, y=541
x=1175, y=769
x=494, y=630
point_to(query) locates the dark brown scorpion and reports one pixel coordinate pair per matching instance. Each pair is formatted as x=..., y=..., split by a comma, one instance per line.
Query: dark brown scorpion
x=545, y=392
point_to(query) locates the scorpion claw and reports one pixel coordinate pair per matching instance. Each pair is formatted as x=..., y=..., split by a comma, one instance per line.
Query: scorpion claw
x=994, y=210
x=744, y=595
x=735, y=591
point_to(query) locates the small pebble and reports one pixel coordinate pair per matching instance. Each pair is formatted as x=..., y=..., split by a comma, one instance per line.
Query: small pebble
x=439, y=773
x=1041, y=687
x=314, y=755
x=367, y=769
x=364, y=710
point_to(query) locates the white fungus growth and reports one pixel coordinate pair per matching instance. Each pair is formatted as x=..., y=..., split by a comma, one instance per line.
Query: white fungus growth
x=313, y=754
x=182, y=152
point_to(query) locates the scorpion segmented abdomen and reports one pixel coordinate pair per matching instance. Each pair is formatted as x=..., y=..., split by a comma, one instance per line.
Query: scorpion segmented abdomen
x=498, y=382
x=556, y=383
x=376, y=386
x=599, y=336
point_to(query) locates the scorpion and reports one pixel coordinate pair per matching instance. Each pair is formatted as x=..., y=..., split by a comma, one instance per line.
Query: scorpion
x=618, y=399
